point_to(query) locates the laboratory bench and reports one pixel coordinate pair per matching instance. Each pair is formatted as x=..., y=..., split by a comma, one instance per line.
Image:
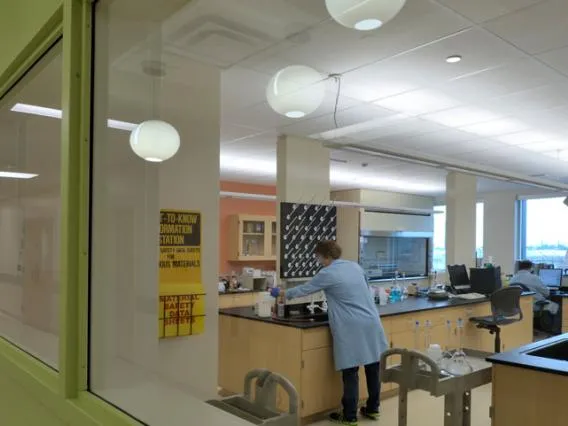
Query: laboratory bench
x=302, y=350
x=530, y=383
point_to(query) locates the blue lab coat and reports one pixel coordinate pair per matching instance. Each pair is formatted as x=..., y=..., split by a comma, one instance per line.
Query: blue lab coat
x=358, y=335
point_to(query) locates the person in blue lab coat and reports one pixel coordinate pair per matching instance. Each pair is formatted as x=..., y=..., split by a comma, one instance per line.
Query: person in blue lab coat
x=358, y=335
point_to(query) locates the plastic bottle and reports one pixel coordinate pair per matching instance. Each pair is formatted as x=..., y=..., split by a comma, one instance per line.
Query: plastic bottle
x=383, y=297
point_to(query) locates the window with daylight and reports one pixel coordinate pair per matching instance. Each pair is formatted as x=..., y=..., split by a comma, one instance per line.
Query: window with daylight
x=543, y=236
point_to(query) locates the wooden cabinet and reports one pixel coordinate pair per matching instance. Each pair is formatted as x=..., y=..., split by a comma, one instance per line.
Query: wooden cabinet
x=252, y=238
x=237, y=300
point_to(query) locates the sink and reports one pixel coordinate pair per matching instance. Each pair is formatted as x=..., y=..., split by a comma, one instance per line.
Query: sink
x=318, y=317
x=557, y=351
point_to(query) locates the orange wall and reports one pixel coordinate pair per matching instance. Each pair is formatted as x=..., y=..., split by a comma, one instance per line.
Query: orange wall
x=231, y=206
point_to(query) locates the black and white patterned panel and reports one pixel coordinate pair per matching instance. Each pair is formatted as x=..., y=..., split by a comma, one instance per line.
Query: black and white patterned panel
x=301, y=227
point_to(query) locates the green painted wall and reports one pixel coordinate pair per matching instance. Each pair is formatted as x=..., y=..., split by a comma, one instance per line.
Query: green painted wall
x=20, y=22
x=19, y=407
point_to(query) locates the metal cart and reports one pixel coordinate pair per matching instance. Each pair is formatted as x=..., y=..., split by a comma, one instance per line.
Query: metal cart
x=261, y=409
x=411, y=374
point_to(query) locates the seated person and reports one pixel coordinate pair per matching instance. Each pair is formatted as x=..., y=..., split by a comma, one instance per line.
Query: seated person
x=534, y=283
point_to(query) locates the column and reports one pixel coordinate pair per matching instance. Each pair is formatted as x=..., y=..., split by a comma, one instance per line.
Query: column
x=499, y=236
x=302, y=174
x=461, y=197
x=302, y=170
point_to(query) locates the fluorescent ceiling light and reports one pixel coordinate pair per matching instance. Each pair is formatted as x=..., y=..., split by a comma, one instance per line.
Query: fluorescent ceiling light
x=395, y=157
x=418, y=102
x=460, y=116
x=558, y=154
x=528, y=136
x=17, y=175
x=545, y=146
x=359, y=127
x=56, y=113
x=495, y=127
x=453, y=59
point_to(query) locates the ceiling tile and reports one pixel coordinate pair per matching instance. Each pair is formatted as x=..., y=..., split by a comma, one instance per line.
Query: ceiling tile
x=535, y=29
x=484, y=10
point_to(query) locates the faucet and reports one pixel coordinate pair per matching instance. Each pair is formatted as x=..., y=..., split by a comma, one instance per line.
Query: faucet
x=312, y=306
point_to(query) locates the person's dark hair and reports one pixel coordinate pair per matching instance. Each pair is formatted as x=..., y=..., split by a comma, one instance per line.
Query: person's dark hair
x=525, y=265
x=329, y=249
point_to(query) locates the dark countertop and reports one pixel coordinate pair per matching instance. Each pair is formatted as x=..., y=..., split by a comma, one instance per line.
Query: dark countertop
x=520, y=358
x=412, y=304
x=233, y=292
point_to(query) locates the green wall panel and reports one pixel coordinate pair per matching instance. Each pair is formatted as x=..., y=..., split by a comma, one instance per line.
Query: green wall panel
x=18, y=407
x=20, y=22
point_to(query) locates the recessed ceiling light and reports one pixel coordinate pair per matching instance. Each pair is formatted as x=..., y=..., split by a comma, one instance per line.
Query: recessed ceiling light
x=453, y=59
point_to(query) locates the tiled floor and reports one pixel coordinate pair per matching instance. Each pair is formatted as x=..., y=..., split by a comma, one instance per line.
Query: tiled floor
x=424, y=410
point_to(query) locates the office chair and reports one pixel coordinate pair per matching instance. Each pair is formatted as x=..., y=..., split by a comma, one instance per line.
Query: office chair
x=542, y=320
x=505, y=309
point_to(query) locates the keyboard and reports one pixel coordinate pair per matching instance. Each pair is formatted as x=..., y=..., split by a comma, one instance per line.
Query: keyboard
x=470, y=296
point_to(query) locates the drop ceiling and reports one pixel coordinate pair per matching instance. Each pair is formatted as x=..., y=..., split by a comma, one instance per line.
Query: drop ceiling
x=504, y=106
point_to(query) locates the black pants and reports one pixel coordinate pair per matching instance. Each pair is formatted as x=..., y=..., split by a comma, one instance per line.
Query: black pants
x=350, y=399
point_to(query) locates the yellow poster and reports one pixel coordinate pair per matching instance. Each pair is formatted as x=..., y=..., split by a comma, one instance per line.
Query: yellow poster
x=182, y=296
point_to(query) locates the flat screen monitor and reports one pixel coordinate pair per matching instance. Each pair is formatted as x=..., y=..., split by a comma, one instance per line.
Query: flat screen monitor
x=458, y=275
x=485, y=280
x=551, y=277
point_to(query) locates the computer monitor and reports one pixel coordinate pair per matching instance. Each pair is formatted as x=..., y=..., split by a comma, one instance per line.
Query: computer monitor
x=551, y=277
x=485, y=280
x=458, y=275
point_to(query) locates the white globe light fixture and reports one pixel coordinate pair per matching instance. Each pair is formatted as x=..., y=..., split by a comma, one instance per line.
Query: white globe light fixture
x=363, y=15
x=296, y=91
x=155, y=141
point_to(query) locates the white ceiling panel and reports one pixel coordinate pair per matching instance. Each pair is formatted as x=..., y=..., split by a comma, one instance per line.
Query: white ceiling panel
x=427, y=140
x=484, y=10
x=461, y=116
x=557, y=59
x=345, y=117
x=512, y=77
x=462, y=147
x=233, y=132
x=535, y=29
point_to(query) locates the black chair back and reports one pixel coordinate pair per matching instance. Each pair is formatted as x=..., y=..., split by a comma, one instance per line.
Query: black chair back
x=506, y=303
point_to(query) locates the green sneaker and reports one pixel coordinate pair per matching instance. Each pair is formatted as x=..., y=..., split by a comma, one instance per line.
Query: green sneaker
x=339, y=419
x=370, y=415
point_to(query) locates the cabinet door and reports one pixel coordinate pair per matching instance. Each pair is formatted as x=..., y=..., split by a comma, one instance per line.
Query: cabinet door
x=322, y=386
x=252, y=238
x=273, y=237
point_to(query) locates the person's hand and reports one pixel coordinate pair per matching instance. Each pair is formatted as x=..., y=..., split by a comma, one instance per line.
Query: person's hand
x=275, y=292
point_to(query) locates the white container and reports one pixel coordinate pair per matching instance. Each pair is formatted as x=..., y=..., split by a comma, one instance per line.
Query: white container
x=434, y=351
x=264, y=306
x=383, y=297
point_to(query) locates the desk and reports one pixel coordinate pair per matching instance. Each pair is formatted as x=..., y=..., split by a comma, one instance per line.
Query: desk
x=562, y=300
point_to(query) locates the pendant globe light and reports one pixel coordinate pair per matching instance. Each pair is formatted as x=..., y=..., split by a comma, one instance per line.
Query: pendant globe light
x=155, y=141
x=363, y=15
x=296, y=91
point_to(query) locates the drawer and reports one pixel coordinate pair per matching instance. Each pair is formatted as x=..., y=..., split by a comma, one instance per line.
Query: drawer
x=316, y=338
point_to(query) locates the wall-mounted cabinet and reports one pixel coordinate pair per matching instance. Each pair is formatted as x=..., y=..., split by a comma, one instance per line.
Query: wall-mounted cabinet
x=252, y=238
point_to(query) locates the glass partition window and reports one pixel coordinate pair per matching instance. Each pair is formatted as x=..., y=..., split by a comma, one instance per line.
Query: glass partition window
x=544, y=234
x=30, y=138
x=439, y=252
x=383, y=257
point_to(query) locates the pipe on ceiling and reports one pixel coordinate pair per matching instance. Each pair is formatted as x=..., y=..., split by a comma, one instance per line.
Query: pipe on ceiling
x=344, y=204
